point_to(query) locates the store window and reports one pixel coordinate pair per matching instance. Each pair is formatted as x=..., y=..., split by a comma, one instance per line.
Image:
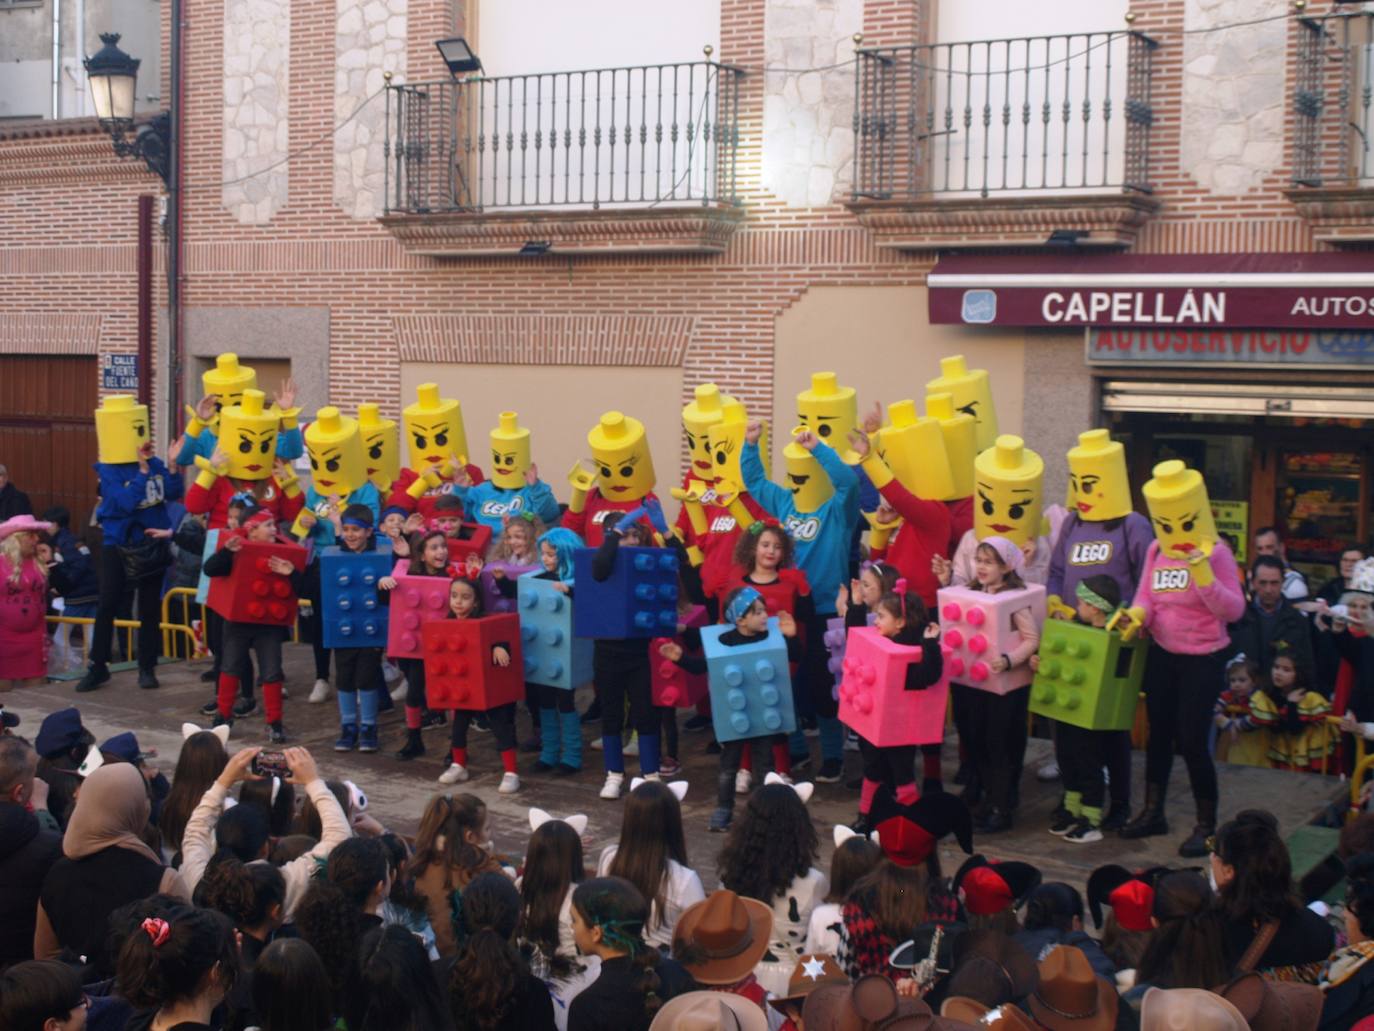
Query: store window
x=1318, y=500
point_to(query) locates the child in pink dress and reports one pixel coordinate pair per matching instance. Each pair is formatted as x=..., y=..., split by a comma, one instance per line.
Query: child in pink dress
x=23, y=603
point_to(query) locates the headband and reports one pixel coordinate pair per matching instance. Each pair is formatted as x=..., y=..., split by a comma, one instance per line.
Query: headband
x=526, y=515
x=360, y=524
x=1090, y=597
x=740, y=604
x=262, y=515
x=756, y=527
x=397, y=509
x=1012, y=557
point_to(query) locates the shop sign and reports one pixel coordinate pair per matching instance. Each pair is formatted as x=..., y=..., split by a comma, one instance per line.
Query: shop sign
x=1259, y=347
x=119, y=372
x=1233, y=517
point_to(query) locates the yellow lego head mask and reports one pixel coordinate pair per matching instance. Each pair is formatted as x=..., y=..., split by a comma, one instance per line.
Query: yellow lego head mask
x=726, y=440
x=624, y=467
x=913, y=447
x=810, y=486
x=510, y=452
x=338, y=464
x=1007, y=500
x=1180, y=510
x=960, y=432
x=434, y=428
x=971, y=393
x=248, y=435
x=1098, y=487
x=121, y=428
x=706, y=410
x=227, y=381
x=830, y=411
x=381, y=446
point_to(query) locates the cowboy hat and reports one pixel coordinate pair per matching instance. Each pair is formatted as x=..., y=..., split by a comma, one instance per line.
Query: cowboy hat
x=1269, y=1007
x=1006, y=1017
x=23, y=524
x=1189, y=1009
x=812, y=970
x=709, y=1011
x=870, y=1004
x=721, y=938
x=1071, y=997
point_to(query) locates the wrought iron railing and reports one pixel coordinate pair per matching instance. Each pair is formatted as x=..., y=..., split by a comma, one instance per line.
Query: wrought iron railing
x=1333, y=99
x=644, y=136
x=1065, y=112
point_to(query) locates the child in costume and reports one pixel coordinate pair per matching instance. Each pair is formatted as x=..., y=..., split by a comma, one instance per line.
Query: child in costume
x=358, y=671
x=1294, y=714
x=744, y=608
x=901, y=617
x=514, y=488
x=1189, y=591
x=428, y=557
x=560, y=729
x=623, y=481
x=515, y=553
x=239, y=637
x=621, y=667
x=997, y=738
x=1082, y=752
x=1239, y=739
x=465, y=602
x=437, y=446
x=224, y=386
x=23, y=602
x=819, y=509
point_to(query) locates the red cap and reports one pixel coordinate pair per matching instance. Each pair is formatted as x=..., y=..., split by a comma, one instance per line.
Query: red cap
x=1132, y=903
x=986, y=891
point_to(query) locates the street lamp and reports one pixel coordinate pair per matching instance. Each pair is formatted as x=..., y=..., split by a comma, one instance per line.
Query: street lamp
x=113, y=75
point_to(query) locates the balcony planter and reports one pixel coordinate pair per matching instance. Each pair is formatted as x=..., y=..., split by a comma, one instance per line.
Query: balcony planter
x=1104, y=220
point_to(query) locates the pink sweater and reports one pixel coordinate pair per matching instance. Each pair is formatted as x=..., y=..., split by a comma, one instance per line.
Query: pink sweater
x=1183, y=618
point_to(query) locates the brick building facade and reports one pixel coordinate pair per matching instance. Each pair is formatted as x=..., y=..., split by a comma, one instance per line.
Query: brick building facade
x=632, y=306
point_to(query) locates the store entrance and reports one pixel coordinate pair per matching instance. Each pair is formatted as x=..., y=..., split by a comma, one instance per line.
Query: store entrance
x=1307, y=477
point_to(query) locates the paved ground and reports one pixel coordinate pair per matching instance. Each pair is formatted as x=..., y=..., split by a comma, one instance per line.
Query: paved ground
x=399, y=791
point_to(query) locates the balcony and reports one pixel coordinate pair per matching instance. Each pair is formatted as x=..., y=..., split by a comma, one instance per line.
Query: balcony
x=1007, y=142
x=1333, y=164
x=608, y=160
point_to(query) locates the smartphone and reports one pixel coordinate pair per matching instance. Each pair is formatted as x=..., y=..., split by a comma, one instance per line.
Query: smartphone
x=271, y=764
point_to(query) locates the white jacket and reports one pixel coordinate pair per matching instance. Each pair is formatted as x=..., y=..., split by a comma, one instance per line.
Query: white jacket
x=198, y=844
x=682, y=889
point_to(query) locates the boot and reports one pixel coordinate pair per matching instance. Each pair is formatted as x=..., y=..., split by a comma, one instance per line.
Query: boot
x=413, y=746
x=571, y=726
x=548, y=741
x=1195, y=845
x=1150, y=820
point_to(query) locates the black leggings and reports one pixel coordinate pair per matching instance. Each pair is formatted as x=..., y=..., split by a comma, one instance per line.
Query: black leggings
x=554, y=697
x=214, y=638
x=615, y=680
x=501, y=720
x=315, y=624
x=815, y=669
x=1082, y=754
x=893, y=766
x=414, y=672
x=1180, y=691
x=997, y=740
x=761, y=749
x=114, y=586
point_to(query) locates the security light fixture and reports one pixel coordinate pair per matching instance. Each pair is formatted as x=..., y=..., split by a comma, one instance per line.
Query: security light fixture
x=534, y=248
x=458, y=56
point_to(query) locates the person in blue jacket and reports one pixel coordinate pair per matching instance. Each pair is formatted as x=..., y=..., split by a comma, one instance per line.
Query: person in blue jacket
x=487, y=503
x=132, y=510
x=821, y=527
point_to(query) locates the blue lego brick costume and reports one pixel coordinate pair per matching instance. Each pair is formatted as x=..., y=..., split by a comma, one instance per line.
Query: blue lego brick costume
x=751, y=687
x=487, y=503
x=553, y=656
x=637, y=600
x=353, y=616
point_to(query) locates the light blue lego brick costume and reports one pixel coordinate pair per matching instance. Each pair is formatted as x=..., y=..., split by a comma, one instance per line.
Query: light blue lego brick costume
x=560, y=728
x=290, y=445
x=751, y=687
x=487, y=503
x=821, y=538
x=553, y=656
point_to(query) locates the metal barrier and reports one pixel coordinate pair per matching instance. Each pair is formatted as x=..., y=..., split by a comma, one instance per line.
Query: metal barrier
x=128, y=626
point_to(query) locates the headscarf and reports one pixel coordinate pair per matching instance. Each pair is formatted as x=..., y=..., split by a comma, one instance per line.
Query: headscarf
x=110, y=811
x=740, y=604
x=1011, y=555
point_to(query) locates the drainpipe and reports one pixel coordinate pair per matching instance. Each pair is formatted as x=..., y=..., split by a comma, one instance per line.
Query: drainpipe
x=175, y=228
x=81, y=108
x=57, y=58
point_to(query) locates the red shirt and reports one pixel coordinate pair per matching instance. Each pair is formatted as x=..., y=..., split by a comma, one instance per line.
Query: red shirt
x=588, y=522
x=718, y=543
x=400, y=499
x=779, y=596
x=924, y=533
x=268, y=493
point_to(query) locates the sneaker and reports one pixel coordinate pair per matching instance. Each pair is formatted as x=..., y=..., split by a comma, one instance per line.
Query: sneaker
x=861, y=824
x=147, y=680
x=632, y=745
x=994, y=821
x=275, y=734
x=455, y=774
x=830, y=772
x=210, y=708
x=1048, y=772
x=697, y=722
x=209, y=676
x=285, y=692
x=245, y=707
x=1117, y=816
x=1083, y=833
x=433, y=718
x=669, y=767
x=597, y=744
x=480, y=722
x=720, y=820
x=398, y=693
x=348, y=738
x=564, y=770
x=809, y=727
x=391, y=672
x=510, y=784
x=367, y=738
x=95, y=677
x=611, y=789
x=1062, y=822
x=320, y=692
x=220, y=721
x=744, y=780
x=851, y=742
x=800, y=761
x=540, y=766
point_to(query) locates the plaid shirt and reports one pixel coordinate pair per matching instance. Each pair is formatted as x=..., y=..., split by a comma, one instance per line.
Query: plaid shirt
x=864, y=948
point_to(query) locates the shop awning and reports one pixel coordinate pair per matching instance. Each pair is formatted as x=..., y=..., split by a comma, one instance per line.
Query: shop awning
x=1261, y=291
x=1251, y=399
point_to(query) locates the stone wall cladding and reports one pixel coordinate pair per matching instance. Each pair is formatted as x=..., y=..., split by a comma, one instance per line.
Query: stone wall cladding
x=370, y=39
x=257, y=46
